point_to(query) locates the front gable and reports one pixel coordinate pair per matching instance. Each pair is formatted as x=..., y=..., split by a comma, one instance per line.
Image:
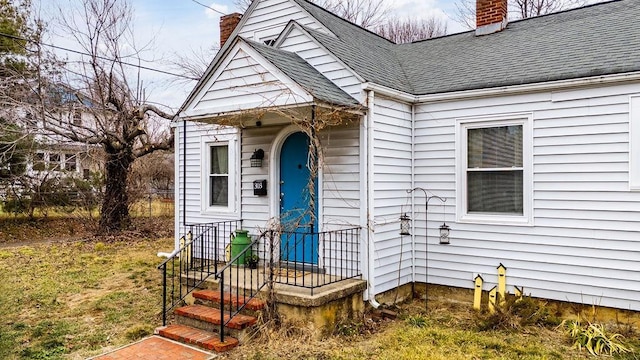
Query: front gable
x=296, y=39
x=266, y=19
x=245, y=80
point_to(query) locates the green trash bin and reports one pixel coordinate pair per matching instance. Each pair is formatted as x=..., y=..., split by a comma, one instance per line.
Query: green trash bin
x=240, y=241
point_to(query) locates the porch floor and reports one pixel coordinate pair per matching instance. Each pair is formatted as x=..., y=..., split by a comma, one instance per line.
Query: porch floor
x=291, y=287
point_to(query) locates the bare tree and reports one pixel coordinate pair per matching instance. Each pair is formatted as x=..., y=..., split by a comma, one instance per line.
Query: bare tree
x=408, y=30
x=369, y=14
x=192, y=65
x=100, y=102
x=518, y=9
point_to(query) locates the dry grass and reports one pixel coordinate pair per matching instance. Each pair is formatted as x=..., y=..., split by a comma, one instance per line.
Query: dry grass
x=449, y=330
x=141, y=208
x=25, y=231
x=71, y=300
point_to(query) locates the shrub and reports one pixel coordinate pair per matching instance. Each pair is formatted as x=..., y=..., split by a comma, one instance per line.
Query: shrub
x=515, y=313
x=595, y=338
x=417, y=321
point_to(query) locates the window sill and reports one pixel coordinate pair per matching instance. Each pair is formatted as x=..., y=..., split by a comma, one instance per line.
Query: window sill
x=510, y=220
x=221, y=212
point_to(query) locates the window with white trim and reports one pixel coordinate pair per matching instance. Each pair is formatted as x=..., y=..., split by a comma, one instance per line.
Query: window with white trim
x=494, y=171
x=219, y=175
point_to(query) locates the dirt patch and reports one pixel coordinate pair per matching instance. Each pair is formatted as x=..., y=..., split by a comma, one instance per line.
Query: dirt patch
x=115, y=282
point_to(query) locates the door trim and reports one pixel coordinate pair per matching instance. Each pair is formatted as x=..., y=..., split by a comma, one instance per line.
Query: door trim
x=274, y=178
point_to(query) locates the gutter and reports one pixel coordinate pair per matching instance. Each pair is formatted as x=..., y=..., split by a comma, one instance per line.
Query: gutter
x=503, y=90
x=369, y=172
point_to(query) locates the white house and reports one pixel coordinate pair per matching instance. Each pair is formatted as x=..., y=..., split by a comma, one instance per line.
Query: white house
x=530, y=130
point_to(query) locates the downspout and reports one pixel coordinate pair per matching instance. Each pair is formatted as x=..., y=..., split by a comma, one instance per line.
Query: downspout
x=184, y=174
x=176, y=188
x=370, y=203
x=413, y=185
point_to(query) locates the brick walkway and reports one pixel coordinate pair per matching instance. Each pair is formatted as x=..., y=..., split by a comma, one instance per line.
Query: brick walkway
x=156, y=348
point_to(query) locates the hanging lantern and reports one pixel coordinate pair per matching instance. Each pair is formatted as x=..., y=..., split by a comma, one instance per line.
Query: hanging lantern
x=405, y=224
x=444, y=233
x=256, y=158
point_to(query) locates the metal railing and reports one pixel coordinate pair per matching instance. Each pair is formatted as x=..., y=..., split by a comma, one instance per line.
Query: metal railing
x=312, y=260
x=309, y=260
x=243, y=277
x=198, y=257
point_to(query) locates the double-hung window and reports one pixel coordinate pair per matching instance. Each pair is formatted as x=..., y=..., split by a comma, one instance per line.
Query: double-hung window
x=219, y=175
x=494, y=171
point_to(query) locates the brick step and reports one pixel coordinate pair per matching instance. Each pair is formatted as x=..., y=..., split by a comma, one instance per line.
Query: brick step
x=212, y=298
x=204, y=339
x=209, y=316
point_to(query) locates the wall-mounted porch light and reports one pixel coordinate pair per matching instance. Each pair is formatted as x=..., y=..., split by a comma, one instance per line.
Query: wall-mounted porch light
x=405, y=224
x=257, y=157
x=444, y=233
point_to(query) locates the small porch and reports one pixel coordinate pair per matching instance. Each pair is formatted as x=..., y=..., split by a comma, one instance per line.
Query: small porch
x=271, y=266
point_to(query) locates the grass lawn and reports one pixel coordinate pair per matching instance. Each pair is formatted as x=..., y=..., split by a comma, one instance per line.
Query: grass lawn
x=74, y=299
x=448, y=331
x=71, y=300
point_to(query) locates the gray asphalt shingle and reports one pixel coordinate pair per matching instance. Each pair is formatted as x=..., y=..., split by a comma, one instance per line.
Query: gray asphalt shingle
x=305, y=75
x=594, y=40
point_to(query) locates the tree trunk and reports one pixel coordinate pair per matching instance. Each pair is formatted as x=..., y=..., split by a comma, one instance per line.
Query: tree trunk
x=114, y=215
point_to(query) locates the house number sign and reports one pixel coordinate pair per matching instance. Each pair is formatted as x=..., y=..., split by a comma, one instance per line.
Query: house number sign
x=260, y=187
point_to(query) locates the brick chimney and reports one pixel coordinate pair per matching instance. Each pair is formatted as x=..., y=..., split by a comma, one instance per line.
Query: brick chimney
x=228, y=23
x=491, y=16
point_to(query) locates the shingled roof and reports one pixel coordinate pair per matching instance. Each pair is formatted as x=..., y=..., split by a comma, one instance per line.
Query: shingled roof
x=305, y=75
x=599, y=39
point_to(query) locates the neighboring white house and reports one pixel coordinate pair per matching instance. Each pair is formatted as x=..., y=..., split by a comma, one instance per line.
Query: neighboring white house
x=530, y=131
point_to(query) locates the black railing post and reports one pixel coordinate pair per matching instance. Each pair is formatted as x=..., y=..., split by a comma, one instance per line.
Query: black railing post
x=164, y=294
x=222, y=308
x=215, y=249
x=271, y=264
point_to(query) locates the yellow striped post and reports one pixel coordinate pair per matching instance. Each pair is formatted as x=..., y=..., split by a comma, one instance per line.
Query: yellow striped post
x=477, y=295
x=502, y=283
x=519, y=292
x=492, y=299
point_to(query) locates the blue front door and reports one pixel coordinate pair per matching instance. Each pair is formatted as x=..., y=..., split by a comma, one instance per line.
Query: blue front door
x=299, y=242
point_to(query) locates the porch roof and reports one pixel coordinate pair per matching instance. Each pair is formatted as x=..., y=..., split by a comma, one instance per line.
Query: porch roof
x=312, y=81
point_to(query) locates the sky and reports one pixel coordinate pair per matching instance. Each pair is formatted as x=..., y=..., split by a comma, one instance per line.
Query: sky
x=182, y=26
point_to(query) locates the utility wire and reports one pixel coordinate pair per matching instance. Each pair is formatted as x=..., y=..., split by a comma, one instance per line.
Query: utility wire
x=208, y=7
x=96, y=56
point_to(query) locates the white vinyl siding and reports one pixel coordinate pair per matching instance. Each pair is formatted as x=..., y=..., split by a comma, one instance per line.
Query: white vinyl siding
x=327, y=64
x=340, y=177
x=634, y=143
x=392, y=178
x=244, y=82
x=270, y=17
x=255, y=209
x=584, y=245
x=198, y=135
